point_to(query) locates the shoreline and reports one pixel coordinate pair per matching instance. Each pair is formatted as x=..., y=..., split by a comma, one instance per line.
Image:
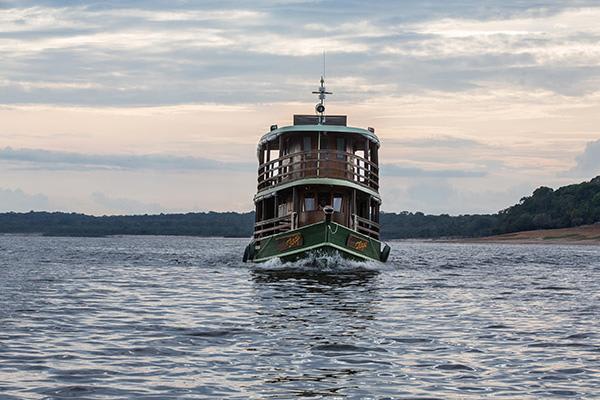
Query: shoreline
x=588, y=235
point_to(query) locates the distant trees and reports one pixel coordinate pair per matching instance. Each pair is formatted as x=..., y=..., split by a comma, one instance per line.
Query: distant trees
x=546, y=208
x=407, y=225
x=568, y=206
x=72, y=224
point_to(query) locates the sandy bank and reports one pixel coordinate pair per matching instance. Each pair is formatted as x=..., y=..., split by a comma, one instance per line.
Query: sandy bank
x=587, y=234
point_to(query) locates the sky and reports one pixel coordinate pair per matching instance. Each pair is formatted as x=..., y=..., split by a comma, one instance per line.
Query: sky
x=130, y=107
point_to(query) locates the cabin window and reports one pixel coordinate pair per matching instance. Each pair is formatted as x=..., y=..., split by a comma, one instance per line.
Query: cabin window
x=268, y=208
x=273, y=155
x=341, y=148
x=324, y=142
x=282, y=210
x=295, y=145
x=309, y=203
x=306, y=144
x=286, y=147
x=337, y=202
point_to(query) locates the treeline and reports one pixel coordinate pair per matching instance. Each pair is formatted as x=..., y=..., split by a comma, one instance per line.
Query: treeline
x=569, y=206
x=407, y=225
x=228, y=224
x=546, y=208
x=394, y=226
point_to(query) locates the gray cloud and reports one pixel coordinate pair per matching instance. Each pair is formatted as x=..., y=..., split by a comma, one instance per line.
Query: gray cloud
x=416, y=172
x=158, y=52
x=46, y=159
x=443, y=141
x=588, y=162
x=19, y=201
x=116, y=205
x=435, y=195
x=438, y=196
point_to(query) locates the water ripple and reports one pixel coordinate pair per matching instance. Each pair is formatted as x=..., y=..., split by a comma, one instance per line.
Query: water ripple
x=163, y=317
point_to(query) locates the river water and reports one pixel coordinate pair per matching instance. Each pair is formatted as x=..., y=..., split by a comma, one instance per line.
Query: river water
x=169, y=317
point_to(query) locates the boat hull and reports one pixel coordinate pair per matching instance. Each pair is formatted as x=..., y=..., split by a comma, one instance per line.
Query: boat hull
x=321, y=238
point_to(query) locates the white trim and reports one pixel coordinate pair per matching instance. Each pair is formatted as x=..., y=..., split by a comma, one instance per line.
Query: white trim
x=315, y=181
x=316, y=246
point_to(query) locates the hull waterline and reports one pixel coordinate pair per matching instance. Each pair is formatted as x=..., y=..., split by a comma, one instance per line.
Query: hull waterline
x=323, y=239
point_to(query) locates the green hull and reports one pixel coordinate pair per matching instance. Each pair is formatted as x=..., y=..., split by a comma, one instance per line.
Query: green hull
x=320, y=238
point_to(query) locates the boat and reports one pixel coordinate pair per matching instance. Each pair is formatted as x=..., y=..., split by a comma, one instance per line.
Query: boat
x=318, y=190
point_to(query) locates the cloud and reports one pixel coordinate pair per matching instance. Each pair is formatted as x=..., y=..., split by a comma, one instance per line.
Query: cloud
x=439, y=196
x=153, y=32
x=588, y=162
x=57, y=19
x=19, y=201
x=563, y=23
x=47, y=159
x=30, y=85
x=57, y=160
x=443, y=141
x=507, y=83
x=569, y=37
x=416, y=172
x=435, y=195
x=140, y=53
x=117, y=205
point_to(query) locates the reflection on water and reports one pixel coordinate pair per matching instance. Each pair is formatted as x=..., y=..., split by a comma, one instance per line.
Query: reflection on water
x=157, y=317
x=314, y=278
x=317, y=313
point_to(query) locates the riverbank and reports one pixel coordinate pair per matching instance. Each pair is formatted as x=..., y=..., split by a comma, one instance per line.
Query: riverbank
x=587, y=234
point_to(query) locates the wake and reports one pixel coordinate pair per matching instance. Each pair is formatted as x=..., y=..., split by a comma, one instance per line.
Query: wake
x=319, y=263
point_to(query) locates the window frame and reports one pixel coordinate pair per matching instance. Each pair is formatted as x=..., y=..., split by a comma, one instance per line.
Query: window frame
x=341, y=202
x=309, y=196
x=340, y=150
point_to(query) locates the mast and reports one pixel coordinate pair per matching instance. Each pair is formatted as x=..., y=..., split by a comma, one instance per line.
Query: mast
x=320, y=109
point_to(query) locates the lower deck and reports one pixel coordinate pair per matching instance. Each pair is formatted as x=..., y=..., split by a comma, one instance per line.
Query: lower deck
x=321, y=237
x=303, y=205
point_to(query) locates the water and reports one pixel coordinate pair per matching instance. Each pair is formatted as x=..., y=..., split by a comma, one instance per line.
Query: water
x=167, y=317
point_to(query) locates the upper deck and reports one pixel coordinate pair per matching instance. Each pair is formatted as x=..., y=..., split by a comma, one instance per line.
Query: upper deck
x=328, y=149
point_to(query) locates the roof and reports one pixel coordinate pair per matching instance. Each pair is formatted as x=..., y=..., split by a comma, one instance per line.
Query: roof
x=274, y=134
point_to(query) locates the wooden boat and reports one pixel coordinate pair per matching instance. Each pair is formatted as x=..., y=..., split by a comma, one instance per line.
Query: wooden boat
x=318, y=190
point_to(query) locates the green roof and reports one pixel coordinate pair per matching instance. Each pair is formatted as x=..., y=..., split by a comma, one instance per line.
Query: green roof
x=274, y=134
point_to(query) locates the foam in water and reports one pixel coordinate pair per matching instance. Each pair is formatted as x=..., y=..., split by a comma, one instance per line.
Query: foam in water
x=319, y=262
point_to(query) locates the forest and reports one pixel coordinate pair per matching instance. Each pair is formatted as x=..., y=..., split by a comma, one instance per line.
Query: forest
x=546, y=208
x=227, y=224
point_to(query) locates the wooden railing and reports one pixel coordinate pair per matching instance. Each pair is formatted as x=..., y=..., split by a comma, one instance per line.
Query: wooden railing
x=366, y=226
x=275, y=225
x=288, y=222
x=323, y=164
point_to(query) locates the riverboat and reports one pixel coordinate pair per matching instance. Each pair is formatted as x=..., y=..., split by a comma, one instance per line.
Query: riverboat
x=318, y=190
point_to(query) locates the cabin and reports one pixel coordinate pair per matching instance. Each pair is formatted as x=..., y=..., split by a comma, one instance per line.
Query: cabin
x=317, y=162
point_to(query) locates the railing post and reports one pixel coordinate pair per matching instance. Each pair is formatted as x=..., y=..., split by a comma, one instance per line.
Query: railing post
x=318, y=152
x=279, y=169
x=305, y=164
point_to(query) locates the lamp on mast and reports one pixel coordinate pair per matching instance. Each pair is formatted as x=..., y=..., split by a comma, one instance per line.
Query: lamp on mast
x=320, y=107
